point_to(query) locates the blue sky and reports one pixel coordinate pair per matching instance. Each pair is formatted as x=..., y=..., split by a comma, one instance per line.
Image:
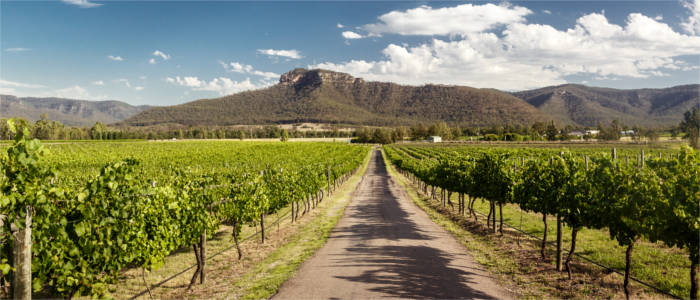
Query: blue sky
x=171, y=52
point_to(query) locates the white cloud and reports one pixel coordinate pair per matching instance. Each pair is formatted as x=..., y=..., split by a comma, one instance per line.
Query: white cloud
x=82, y=3
x=161, y=54
x=220, y=85
x=152, y=61
x=547, y=11
x=340, y=25
x=127, y=84
x=124, y=81
x=659, y=18
x=692, y=23
x=526, y=56
x=115, y=58
x=73, y=92
x=98, y=82
x=18, y=49
x=7, y=83
x=142, y=77
x=247, y=69
x=351, y=35
x=458, y=20
x=294, y=54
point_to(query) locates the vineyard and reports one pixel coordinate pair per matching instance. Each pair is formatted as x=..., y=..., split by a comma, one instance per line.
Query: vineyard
x=636, y=212
x=96, y=209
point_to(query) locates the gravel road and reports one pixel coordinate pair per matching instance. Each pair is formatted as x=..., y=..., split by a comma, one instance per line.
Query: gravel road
x=384, y=246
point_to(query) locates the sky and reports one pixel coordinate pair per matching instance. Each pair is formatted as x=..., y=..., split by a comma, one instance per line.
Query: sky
x=172, y=52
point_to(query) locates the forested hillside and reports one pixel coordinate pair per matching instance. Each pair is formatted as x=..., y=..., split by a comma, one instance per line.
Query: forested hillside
x=332, y=97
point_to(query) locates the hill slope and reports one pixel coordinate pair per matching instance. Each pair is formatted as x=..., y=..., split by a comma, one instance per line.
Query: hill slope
x=582, y=105
x=332, y=97
x=67, y=111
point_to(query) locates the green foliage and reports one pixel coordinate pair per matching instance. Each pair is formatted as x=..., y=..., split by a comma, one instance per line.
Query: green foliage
x=86, y=230
x=691, y=126
x=657, y=201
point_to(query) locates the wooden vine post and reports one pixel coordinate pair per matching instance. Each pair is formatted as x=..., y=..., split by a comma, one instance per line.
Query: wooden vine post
x=559, y=229
x=328, y=175
x=22, y=259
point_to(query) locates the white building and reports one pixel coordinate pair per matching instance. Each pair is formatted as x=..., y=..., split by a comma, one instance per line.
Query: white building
x=434, y=139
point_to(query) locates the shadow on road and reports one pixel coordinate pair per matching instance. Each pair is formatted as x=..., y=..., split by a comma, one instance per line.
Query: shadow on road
x=411, y=272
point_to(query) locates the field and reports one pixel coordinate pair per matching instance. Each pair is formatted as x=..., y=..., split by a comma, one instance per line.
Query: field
x=102, y=207
x=602, y=241
x=102, y=211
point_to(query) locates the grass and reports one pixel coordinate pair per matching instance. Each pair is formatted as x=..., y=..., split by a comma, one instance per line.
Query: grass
x=519, y=266
x=263, y=268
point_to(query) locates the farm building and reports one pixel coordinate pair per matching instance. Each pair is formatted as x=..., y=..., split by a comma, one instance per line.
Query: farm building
x=434, y=139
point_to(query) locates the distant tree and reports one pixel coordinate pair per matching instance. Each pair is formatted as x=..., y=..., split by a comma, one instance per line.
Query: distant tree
x=611, y=133
x=284, y=136
x=440, y=129
x=674, y=132
x=456, y=132
x=97, y=131
x=552, y=132
x=691, y=126
x=381, y=136
x=539, y=127
x=651, y=134
x=419, y=131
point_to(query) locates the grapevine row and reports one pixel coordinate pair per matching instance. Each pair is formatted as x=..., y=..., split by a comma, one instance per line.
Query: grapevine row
x=86, y=229
x=657, y=199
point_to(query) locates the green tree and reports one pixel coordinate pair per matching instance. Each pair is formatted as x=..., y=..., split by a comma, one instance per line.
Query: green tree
x=691, y=127
x=552, y=132
x=284, y=136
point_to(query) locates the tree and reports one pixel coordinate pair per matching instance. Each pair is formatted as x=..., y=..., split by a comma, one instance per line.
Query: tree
x=284, y=136
x=691, y=127
x=611, y=133
x=552, y=132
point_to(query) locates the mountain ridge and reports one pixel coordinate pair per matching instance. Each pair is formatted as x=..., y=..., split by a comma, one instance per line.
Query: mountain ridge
x=332, y=97
x=71, y=112
x=587, y=106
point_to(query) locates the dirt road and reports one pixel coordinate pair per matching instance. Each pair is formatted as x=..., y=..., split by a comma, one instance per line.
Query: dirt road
x=384, y=246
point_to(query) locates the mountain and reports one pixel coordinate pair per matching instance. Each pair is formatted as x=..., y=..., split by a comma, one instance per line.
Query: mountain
x=331, y=97
x=586, y=106
x=67, y=111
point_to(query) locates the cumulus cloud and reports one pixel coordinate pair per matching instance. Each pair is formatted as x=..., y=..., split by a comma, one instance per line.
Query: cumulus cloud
x=522, y=56
x=692, y=23
x=115, y=58
x=247, y=69
x=98, y=82
x=293, y=54
x=547, y=11
x=157, y=54
x=458, y=20
x=82, y=3
x=350, y=35
x=340, y=25
x=124, y=81
x=161, y=54
x=220, y=85
x=17, y=49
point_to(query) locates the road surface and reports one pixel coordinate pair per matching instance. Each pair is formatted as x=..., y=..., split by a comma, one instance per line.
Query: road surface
x=384, y=246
